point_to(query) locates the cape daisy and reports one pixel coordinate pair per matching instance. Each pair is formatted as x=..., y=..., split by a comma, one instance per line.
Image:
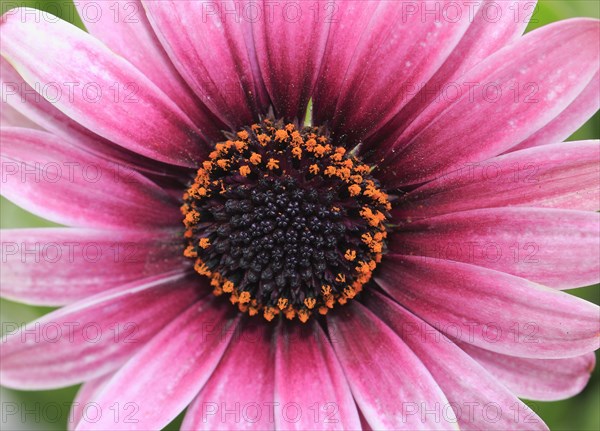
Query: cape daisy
x=394, y=259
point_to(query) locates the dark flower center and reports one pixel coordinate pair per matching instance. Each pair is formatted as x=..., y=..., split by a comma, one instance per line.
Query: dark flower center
x=284, y=221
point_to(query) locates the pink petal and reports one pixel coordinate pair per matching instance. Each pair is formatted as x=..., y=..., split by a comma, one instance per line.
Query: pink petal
x=166, y=375
x=290, y=42
x=499, y=118
x=59, y=266
x=390, y=384
x=349, y=24
x=92, y=337
x=84, y=407
x=569, y=120
x=478, y=399
x=376, y=51
x=99, y=89
x=78, y=188
x=537, y=379
x=565, y=175
x=309, y=378
x=494, y=25
x=10, y=117
x=554, y=247
x=239, y=394
x=213, y=50
x=492, y=310
x=125, y=29
x=21, y=97
x=364, y=425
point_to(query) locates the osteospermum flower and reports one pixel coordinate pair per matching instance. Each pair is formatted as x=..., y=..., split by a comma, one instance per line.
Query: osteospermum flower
x=394, y=258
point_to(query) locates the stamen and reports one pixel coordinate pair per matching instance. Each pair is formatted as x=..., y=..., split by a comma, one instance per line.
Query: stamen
x=284, y=221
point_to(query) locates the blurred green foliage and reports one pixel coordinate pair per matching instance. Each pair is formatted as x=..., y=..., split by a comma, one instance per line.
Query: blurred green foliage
x=579, y=413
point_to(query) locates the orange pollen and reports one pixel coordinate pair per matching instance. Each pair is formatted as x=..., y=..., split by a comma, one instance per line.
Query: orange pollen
x=310, y=303
x=255, y=158
x=290, y=313
x=245, y=170
x=245, y=297
x=354, y=189
x=350, y=255
x=320, y=150
x=330, y=171
x=223, y=163
x=263, y=139
x=281, y=135
x=228, y=287
x=240, y=146
x=303, y=315
x=297, y=152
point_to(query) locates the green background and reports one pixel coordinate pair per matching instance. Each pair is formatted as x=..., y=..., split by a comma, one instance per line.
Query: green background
x=578, y=413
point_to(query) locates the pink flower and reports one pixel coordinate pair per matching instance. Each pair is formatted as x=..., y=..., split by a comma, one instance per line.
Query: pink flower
x=423, y=227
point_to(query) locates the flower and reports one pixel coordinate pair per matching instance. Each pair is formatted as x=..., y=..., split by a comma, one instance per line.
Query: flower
x=394, y=259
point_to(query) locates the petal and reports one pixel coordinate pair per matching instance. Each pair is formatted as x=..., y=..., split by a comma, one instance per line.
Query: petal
x=565, y=175
x=492, y=310
x=175, y=364
x=391, y=386
x=241, y=387
x=211, y=45
x=364, y=425
x=92, y=337
x=83, y=407
x=470, y=389
x=376, y=51
x=21, y=97
x=125, y=29
x=309, y=377
x=537, y=379
x=494, y=25
x=290, y=42
x=569, y=120
x=99, y=89
x=10, y=117
x=557, y=248
x=78, y=188
x=508, y=97
x=58, y=266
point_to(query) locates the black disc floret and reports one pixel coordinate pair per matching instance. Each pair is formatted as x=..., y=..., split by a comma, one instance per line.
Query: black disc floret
x=284, y=221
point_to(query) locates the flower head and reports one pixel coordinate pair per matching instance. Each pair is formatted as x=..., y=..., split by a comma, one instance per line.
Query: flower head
x=389, y=258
